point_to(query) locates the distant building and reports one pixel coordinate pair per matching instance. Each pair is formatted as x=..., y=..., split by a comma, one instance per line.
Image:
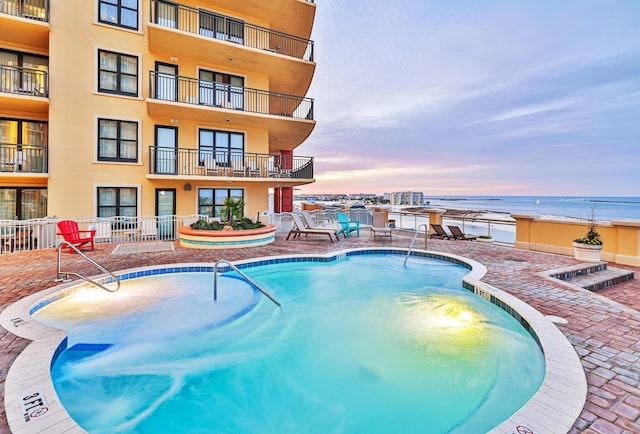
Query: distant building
x=405, y=198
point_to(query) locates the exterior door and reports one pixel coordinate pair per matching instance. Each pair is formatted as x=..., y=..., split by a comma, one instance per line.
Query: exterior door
x=166, y=81
x=166, y=149
x=166, y=210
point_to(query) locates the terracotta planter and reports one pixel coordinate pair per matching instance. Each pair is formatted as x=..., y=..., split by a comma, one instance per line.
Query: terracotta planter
x=202, y=239
x=587, y=252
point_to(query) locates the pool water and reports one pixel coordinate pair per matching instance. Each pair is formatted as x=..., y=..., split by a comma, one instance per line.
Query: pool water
x=362, y=345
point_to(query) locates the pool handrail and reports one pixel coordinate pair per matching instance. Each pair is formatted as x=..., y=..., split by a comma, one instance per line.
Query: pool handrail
x=68, y=273
x=413, y=241
x=247, y=278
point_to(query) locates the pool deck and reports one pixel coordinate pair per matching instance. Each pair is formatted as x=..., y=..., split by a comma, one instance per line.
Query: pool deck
x=604, y=327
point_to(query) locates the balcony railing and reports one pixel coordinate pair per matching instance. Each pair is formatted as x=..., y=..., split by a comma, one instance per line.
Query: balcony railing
x=209, y=24
x=24, y=81
x=200, y=162
x=23, y=158
x=200, y=92
x=32, y=9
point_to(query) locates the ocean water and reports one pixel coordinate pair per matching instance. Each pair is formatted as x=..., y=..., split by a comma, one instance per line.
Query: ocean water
x=606, y=208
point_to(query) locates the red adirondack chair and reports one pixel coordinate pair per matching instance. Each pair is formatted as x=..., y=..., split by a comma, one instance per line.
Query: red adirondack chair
x=70, y=232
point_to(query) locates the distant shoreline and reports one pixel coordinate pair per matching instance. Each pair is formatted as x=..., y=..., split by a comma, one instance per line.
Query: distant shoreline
x=488, y=214
x=565, y=208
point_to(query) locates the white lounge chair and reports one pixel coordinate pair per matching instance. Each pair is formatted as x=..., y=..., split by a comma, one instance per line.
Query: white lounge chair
x=379, y=226
x=310, y=222
x=300, y=228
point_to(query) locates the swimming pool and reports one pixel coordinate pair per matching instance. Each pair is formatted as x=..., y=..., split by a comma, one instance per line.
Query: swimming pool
x=362, y=345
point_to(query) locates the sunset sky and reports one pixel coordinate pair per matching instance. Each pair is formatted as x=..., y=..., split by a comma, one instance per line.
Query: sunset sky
x=476, y=97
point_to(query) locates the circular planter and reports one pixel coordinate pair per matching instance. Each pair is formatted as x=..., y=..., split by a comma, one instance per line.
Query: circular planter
x=485, y=240
x=202, y=239
x=586, y=252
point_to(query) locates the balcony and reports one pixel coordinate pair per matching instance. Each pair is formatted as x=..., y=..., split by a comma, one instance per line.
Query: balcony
x=37, y=10
x=184, y=32
x=23, y=160
x=168, y=163
x=25, y=22
x=23, y=90
x=220, y=27
x=289, y=118
x=290, y=16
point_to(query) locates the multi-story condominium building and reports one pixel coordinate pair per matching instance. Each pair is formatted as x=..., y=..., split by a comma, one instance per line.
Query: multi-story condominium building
x=150, y=107
x=405, y=198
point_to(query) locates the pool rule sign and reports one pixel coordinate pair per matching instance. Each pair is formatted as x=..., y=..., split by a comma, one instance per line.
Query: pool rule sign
x=33, y=406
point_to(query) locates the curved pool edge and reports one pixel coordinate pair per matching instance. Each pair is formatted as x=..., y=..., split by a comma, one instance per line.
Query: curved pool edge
x=553, y=408
x=563, y=393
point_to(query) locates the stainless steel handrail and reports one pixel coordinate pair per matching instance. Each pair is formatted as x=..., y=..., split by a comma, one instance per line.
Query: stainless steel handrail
x=247, y=278
x=68, y=273
x=414, y=241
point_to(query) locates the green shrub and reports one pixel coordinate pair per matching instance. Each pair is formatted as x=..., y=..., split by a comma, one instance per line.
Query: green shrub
x=204, y=225
x=242, y=223
x=246, y=223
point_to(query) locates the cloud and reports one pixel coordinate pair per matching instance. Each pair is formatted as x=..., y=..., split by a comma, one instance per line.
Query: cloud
x=490, y=95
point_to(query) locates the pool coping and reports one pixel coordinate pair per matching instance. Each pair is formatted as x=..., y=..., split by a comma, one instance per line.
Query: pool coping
x=553, y=408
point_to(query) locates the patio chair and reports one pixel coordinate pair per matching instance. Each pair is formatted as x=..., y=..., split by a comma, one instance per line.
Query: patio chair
x=379, y=227
x=71, y=234
x=439, y=232
x=19, y=161
x=298, y=228
x=211, y=168
x=348, y=226
x=237, y=166
x=459, y=235
x=271, y=169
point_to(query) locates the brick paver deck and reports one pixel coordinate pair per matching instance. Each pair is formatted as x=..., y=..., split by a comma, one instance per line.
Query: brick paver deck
x=604, y=327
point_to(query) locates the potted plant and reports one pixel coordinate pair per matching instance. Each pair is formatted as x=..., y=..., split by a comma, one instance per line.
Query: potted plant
x=234, y=231
x=589, y=247
x=232, y=217
x=485, y=239
x=232, y=209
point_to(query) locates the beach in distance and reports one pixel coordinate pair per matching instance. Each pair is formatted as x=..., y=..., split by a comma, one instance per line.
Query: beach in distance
x=604, y=208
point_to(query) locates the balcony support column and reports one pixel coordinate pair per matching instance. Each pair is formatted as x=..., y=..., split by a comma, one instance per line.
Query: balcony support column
x=282, y=199
x=277, y=204
x=287, y=199
x=286, y=193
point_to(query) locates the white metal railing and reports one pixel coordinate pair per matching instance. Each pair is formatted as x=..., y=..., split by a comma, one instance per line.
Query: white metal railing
x=501, y=230
x=35, y=234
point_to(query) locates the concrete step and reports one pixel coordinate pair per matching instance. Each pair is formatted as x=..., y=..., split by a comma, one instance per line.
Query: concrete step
x=593, y=276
